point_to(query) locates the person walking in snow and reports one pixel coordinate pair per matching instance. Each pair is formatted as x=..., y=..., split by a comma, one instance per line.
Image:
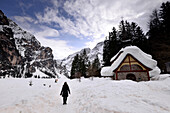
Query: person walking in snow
x=64, y=92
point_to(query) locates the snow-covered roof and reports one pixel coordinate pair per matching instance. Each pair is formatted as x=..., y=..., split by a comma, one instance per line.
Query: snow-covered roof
x=137, y=53
x=142, y=57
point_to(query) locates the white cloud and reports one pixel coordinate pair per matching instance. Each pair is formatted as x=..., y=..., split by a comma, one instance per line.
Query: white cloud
x=60, y=47
x=102, y=15
x=97, y=17
x=23, y=19
x=47, y=32
x=49, y=15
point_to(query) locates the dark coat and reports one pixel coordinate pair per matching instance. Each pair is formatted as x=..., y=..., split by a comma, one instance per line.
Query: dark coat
x=65, y=90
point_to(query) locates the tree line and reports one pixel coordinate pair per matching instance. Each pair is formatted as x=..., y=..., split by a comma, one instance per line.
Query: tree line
x=82, y=67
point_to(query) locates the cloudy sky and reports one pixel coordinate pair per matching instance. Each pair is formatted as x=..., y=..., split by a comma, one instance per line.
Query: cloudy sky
x=70, y=25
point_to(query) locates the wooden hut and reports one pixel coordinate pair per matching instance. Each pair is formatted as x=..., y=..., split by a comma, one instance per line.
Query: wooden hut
x=131, y=63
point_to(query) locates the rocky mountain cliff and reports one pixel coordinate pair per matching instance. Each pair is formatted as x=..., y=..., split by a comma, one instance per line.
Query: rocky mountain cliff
x=21, y=54
x=65, y=64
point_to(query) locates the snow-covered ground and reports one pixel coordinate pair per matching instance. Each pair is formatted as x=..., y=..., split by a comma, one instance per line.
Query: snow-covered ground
x=100, y=95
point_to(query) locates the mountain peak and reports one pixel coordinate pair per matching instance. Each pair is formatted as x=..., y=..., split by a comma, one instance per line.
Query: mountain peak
x=3, y=19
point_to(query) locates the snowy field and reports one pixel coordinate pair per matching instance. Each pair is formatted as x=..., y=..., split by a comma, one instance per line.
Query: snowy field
x=100, y=95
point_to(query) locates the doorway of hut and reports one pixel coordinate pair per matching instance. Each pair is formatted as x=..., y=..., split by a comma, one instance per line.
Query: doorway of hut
x=131, y=77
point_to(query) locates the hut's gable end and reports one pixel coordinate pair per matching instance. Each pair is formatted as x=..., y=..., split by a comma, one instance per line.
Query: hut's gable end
x=130, y=64
x=131, y=68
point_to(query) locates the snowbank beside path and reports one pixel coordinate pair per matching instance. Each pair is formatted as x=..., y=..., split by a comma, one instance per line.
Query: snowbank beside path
x=100, y=95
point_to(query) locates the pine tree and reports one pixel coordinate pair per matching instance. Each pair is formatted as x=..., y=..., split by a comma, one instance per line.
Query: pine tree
x=128, y=30
x=94, y=68
x=74, y=67
x=133, y=30
x=84, y=63
x=122, y=31
x=96, y=63
x=154, y=25
x=82, y=67
x=113, y=34
x=165, y=16
x=106, y=53
x=85, y=58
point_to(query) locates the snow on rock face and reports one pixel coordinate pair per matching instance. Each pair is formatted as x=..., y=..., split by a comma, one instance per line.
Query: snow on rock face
x=10, y=59
x=23, y=39
x=29, y=48
x=97, y=50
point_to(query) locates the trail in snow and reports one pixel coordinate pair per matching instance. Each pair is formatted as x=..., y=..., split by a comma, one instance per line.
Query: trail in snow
x=19, y=97
x=97, y=96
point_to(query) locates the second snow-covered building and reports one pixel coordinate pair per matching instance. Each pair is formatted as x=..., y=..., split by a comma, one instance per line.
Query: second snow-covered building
x=131, y=63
